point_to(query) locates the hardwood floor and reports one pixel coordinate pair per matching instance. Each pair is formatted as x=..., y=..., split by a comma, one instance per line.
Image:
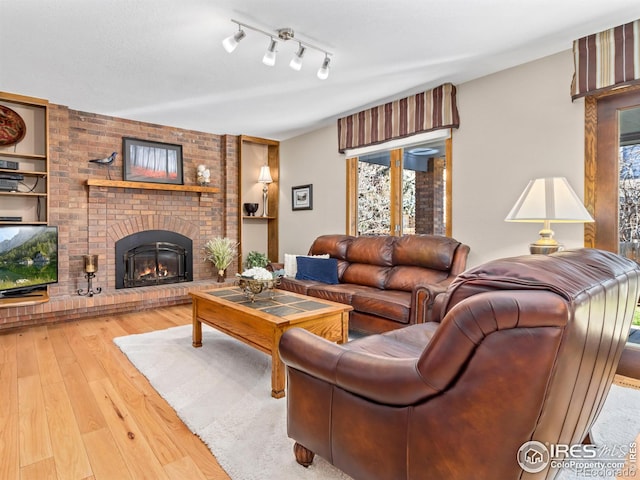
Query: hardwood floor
x=73, y=407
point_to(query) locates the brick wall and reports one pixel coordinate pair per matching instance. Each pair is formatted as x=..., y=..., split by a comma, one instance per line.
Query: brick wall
x=91, y=219
x=430, y=192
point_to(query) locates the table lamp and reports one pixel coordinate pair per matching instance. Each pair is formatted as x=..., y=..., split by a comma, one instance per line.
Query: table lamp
x=547, y=200
x=265, y=179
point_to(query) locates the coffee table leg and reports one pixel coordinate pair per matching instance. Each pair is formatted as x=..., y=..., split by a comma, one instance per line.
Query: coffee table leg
x=197, y=332
x=277, y=374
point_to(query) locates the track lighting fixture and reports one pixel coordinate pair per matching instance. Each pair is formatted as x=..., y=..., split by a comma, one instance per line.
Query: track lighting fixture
x=283, y=34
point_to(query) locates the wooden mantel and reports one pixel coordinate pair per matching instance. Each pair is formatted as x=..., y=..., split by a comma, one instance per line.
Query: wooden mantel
x=152, y=186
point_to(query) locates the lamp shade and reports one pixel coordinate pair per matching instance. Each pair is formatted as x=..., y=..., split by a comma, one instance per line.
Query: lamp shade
x=265, y=175
x=549, y=200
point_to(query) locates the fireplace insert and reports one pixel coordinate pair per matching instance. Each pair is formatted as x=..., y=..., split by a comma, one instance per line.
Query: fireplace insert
x=153, y=257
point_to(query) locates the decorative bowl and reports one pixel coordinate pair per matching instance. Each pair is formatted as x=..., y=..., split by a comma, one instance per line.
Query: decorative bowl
x=252, y=287
x=250, y=208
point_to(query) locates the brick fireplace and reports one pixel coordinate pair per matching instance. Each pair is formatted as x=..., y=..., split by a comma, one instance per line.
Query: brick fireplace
x=91, y=219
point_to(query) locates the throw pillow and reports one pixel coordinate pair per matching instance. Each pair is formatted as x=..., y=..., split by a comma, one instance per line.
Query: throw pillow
x=323, y=270
x=291, y=264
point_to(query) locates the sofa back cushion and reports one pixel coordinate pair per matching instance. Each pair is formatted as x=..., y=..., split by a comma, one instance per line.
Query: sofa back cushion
x=335, y=245
x=372, y=250
x=428, y=251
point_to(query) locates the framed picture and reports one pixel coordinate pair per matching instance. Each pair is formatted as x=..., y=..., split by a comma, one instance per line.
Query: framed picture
x=155, y=162
x=302, y=197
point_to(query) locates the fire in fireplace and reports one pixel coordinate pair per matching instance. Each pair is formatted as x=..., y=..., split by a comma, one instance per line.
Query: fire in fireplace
x=153, y=257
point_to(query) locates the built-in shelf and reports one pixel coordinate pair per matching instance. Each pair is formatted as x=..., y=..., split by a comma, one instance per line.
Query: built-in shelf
x=25, y=301
x=152, y=186
x=32, y=156
x=257, y=217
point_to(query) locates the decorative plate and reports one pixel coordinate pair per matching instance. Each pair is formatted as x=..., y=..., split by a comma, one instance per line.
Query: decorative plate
x=12, y=126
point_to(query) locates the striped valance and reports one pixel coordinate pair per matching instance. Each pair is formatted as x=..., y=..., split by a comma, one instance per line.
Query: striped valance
x=423, y=112
x=606, y=59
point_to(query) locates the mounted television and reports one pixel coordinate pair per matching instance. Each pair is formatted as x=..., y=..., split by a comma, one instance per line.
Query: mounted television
x=28, y=259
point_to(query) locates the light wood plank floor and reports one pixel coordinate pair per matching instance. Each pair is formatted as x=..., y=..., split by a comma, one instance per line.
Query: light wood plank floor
x=72, y=407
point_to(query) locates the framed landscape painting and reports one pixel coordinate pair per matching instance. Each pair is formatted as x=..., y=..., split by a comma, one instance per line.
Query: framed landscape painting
x=146, y=161
x=302, y=197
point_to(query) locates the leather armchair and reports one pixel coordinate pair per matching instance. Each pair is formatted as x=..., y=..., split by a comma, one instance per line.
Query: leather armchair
x=526, y=349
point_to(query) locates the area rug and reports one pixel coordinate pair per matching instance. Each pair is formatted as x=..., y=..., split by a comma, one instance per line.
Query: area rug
x=222, y=392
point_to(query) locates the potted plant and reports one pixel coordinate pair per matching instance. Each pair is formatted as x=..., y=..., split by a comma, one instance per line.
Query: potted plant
x=256, y=259
x=221, y=251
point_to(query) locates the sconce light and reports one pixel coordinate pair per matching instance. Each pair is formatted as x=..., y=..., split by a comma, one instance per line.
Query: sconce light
x=547, y=200
x=90, y=268
x=265, y=179
x=284, y=34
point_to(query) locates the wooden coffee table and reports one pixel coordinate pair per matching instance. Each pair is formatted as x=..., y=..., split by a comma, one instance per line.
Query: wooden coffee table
x=261, y=323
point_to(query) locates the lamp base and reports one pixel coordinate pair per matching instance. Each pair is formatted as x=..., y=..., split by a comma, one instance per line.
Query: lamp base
x=537, y=249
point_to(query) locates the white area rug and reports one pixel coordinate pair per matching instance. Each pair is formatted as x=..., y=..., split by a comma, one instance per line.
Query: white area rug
x=222, y=392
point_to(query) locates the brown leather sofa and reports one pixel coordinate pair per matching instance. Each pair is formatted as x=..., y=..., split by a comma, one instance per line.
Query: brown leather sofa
x=526, y=350
x=389, y=281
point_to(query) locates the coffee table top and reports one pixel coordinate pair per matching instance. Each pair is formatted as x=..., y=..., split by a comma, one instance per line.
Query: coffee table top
x=283, y=304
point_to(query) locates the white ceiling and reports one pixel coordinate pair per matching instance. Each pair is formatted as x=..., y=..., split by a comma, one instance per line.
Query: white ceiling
x=161, y=61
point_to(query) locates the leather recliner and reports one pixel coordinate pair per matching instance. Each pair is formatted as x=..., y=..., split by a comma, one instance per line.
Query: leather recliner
x=526, y=350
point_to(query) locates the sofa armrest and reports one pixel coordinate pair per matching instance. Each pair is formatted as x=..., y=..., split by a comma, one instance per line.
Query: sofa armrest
x=422, y=302
x=274, y=266
x=395, y=382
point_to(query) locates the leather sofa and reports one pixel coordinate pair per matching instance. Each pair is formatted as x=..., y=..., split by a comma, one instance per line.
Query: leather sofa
x=526, y=350
x=390, y=282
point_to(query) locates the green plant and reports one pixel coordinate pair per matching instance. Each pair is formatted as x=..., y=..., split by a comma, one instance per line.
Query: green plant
x=221, y=251
x=256, y=259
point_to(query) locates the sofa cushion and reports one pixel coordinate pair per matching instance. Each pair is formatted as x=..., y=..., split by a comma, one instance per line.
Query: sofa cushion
x=406, y=278
x=341, y=293
x=428, y=251
x=318, y=269
x=392, y=304
x=297, y=286
x=363, y=274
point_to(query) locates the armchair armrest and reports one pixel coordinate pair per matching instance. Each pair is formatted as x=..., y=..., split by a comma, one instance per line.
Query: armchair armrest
x=391, y=381
x=422, y=302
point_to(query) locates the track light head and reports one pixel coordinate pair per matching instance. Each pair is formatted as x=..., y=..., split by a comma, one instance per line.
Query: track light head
x=323, y=71
x=230, y=43
x=296, y=61
x=269, y=58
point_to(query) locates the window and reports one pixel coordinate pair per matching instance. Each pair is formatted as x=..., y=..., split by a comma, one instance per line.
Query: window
x=400, y=191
